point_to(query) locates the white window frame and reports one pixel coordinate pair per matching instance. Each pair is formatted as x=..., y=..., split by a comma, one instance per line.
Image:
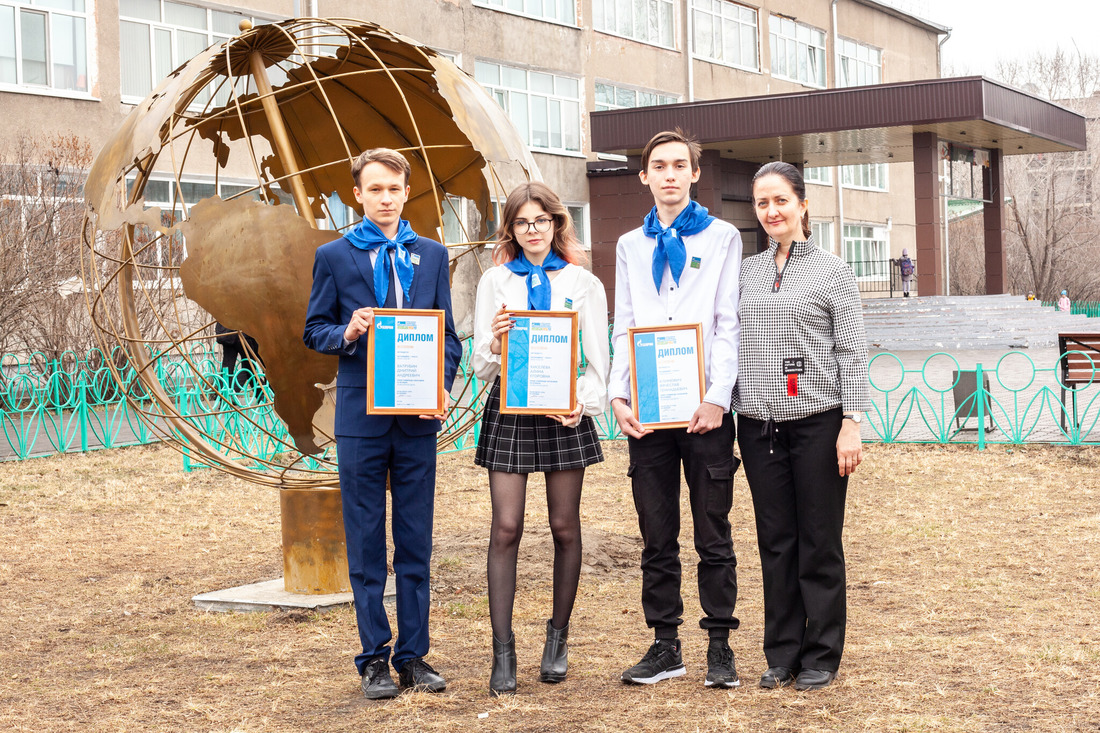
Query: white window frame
x=823, y=234
x=726, y=15
x=872, y=239
x=582, y=223
x=527, y=10
x=605, y=20
x=157, y=27
x=580, y=214
x=866, y=177
x=599, y=106
x=504, y=94
x=86, y=16
x=862, y=60
x=822, y=176
x=797, y=42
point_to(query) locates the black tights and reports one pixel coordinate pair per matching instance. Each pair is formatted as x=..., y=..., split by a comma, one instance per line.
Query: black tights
x=563, y=500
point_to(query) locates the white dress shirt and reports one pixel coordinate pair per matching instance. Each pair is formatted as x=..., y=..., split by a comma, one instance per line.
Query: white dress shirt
x=707, y=294
x=585, y=293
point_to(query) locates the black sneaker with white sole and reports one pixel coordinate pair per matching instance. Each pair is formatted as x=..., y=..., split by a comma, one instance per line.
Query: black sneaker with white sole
x=721, y=671
x=661, y=662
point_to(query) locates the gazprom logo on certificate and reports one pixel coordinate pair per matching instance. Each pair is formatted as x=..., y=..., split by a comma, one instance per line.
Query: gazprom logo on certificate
x=645, y=366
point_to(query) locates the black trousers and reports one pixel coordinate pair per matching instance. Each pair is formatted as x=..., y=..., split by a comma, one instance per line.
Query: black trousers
x=654, y=472
x=798, y=496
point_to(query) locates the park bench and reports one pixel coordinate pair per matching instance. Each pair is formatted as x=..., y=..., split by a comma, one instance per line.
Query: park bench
x=1075, y=369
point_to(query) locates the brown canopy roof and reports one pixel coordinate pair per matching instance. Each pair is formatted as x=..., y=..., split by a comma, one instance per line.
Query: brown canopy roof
x=872, y=124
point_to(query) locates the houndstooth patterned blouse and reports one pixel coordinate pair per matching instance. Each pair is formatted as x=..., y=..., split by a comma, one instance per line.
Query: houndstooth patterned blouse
x=814, y=315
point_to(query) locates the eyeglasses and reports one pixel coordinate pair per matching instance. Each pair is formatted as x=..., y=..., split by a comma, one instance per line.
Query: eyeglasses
x=541, y=225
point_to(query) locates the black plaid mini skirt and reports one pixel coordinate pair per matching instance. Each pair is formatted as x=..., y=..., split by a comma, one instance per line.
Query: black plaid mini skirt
x=533, y=443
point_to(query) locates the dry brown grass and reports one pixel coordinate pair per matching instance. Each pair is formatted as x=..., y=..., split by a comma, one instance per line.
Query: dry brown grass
x=973, y=586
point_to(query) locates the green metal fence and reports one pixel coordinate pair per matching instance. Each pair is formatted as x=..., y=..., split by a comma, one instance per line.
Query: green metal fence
x=74, y=404
x=1084, y=308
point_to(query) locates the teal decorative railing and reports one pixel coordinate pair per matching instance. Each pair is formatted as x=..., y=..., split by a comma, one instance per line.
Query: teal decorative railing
x=74, y=404
x=1092, y=310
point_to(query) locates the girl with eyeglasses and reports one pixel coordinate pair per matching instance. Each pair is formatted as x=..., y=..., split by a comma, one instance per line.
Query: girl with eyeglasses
x=537, y=258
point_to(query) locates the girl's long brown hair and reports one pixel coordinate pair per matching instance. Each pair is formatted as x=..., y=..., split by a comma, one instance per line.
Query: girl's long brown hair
x=564, y=243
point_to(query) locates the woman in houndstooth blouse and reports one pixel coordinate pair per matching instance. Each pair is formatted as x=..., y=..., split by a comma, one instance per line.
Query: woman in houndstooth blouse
x=537, y=256
x=799, y=398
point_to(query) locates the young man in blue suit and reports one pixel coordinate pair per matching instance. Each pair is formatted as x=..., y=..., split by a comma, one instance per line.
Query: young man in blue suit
x=382, y=262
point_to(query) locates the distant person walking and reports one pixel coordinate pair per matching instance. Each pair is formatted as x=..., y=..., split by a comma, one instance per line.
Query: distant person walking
x=1063, y=303
x=908, y=269
x=234, y=348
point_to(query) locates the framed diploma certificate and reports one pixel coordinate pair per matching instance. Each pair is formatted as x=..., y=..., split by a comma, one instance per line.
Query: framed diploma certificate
x=538, y=364
x=666, y=374
x=405, y=362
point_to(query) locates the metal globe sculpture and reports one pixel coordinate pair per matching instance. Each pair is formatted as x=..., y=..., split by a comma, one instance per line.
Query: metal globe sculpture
x=286, y=106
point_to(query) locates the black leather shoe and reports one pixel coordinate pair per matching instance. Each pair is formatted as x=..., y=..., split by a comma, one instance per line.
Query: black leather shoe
x=777, y=677
x=377, y=683
x=502, y=680
x=418, y=675
x=814, y=679
x=555, y=655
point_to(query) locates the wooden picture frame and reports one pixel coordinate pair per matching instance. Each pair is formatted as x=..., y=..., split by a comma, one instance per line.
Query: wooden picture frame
x=672, y=369
x=554, y=384
x=404, y=381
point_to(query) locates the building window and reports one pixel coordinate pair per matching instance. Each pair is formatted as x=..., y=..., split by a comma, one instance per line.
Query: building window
x=823, y=176
x=725, y=33
x=823, y=234
x=871, y=177
x=860, y=65
x=798, y=51
x=609, y=96
x=561, y=11
x=545, y=108
x=649, y=21
x=865, y=249
x=156, y=36
x=578, y=212
x=44, y=43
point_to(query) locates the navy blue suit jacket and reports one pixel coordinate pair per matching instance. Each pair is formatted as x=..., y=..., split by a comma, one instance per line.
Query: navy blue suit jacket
x=343, y=281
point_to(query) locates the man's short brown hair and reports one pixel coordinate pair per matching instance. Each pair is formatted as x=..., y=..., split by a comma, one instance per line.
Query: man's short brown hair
x=673, y=136
x=388, y=157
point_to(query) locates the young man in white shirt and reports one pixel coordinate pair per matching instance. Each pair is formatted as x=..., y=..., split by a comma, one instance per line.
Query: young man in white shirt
x=681, y=267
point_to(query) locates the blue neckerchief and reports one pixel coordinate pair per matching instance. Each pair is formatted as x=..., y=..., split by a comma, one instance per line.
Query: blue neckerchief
x=670, y=244
x=367, y=236
x=538, y=294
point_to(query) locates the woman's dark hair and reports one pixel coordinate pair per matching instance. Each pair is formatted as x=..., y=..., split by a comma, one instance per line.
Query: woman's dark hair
x=791, y=175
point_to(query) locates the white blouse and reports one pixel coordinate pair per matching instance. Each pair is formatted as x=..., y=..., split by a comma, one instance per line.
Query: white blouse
x=585, y=293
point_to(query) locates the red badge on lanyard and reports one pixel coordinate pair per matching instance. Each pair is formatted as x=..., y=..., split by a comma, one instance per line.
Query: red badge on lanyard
x=792, y=368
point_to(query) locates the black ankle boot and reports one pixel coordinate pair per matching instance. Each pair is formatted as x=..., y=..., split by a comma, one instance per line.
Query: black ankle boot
x=555, y=654
x=502, y=680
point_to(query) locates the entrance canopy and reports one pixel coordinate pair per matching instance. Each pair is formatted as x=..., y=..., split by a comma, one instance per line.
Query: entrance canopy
x=851, y=126
x=885, y=123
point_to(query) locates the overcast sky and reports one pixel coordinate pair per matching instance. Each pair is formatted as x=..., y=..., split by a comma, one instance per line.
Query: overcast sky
x=984, y=31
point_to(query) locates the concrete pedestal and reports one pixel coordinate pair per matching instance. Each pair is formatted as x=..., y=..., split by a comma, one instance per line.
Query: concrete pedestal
x=271, y=595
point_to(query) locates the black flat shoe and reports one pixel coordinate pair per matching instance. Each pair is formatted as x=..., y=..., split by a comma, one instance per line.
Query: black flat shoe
x=814, y=679
x=777, y=677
